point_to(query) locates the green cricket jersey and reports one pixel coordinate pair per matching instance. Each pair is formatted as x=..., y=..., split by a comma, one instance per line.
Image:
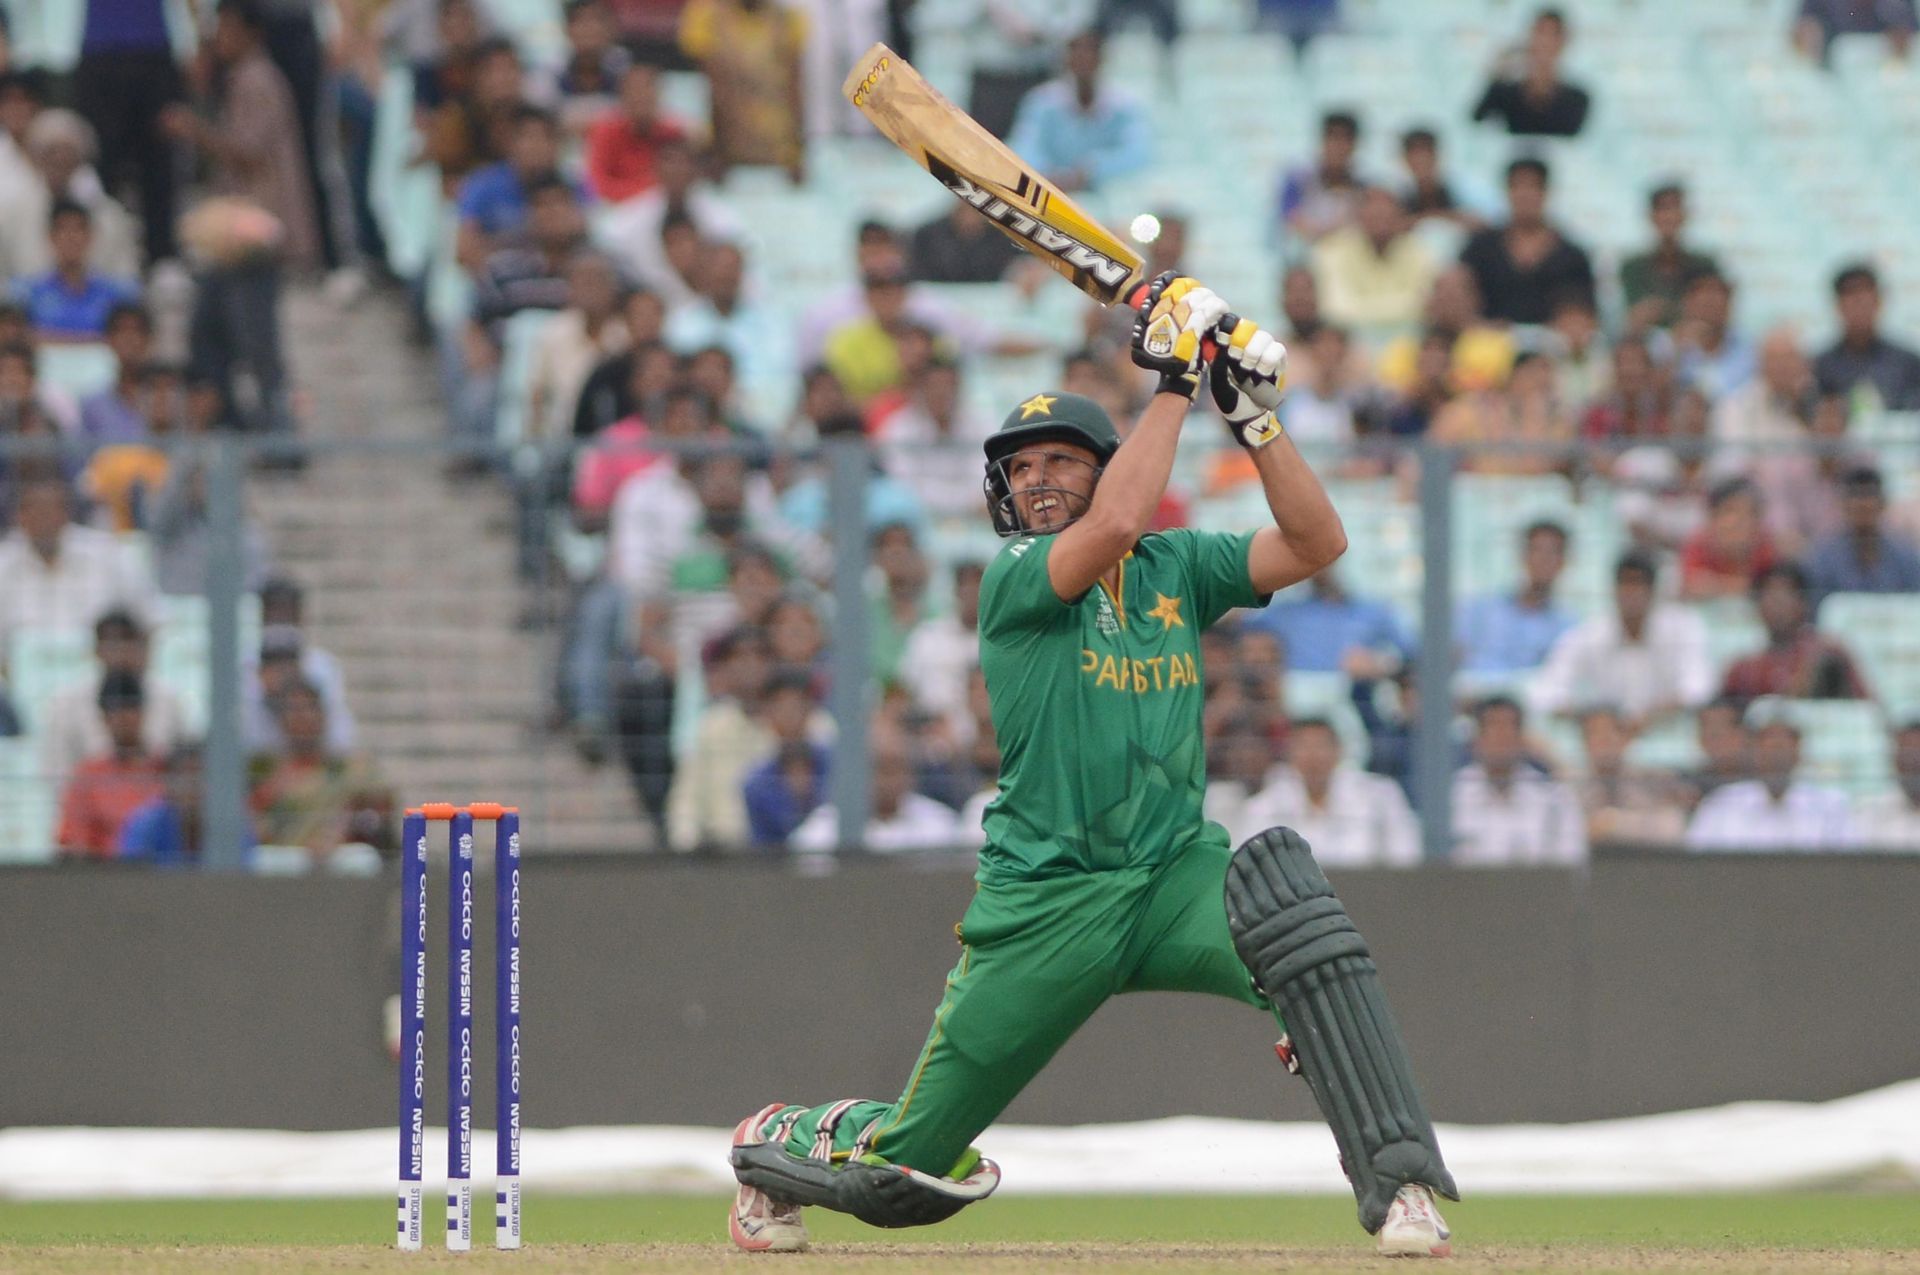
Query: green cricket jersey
x=1097, y=703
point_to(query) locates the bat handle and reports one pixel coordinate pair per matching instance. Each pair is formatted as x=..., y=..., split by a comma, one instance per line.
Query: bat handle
x=1208, y=345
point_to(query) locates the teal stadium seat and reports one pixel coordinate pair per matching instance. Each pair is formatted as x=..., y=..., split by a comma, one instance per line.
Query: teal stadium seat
x=28, y=804
x=1329, y=695
x=43, y=662
x=80, y=370
x=1845, y=745
x=1883, y=632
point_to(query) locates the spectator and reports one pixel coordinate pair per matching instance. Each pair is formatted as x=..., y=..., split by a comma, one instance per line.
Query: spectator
x=1324, y=390
x=1373, y=273
x=1709, y=355
x=1409, y=410
x=122, y=479
x=636, y=230
x=180, y=520
x=1510, y=633
x=1800, y=484
x=1798, y=661
x=1773, y=810
x=233, y=339
x=1578, y=349
x=1891, y=820
x=1523, y=267
x=1350, y=818
x=1298, y=20
x=723, y=314
x=311, y=65
x=878, y=253
x=1526, y=93
x=1872, y=371
x=1647, y=659
x=1239, y=764
x=169, y=831
x=705, y=808
x=920, y=440
x=62, y=147
x=1720, y=731
x=1480, y=354
x=71, y=303
x=1325, y=630
x=1820, y=22
x=899, y=606
x=307, y=795
x=595, y=69
x=118, y=414
x=901, y=820
x=253, y=141
x=798, y=635
x=609, y=392
x=110, y=785
x=124, y=84
x=1079, y=133
x=942, y=652
x=1866, y=556
x=864, y=353
x=72, y=727
x=782, y=791
x=750, y=52
x=1652, y=282
x=1427, y=192
x=534, y=277
x=1505, y=810
x=495, y=202
x=55, y=575
x=1621, y=802
x=1530, y=413
x=284, y=647
x=1317, y=199
x=578, y=339
x=960, y=246
x=623, y=144
x=1776, y=405
x=1634, y=405
x=1727, y=554
x=1015, y=46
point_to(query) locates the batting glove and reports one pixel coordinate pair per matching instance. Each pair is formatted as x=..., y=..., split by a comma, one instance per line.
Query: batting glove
x=1167, y=333
x=1249, y=376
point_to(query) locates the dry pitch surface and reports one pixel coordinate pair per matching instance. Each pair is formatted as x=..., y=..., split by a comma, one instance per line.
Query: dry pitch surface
x=673, y=1234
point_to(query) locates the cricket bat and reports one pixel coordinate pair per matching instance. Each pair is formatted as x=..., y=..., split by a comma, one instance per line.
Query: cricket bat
x=980, y=169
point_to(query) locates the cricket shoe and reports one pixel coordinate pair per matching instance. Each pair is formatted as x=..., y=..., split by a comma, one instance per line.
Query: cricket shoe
x=1414, y=1227
x=759, y=1223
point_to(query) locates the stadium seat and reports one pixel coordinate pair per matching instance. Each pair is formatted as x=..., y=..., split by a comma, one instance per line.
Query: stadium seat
x=80, y=370
x=1845, y=745
x=1329, y=695
x=1879, y=629
x=28, y=804
x=43, y=662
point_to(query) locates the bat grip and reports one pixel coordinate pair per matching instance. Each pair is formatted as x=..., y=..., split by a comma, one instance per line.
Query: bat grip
x=1137, y=299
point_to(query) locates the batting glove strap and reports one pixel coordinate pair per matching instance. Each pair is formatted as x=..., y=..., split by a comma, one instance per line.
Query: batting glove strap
x=1249, y=376
x=1167, y=332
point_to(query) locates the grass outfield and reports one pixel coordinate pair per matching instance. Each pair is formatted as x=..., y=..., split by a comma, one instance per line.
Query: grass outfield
x=1806, y=1232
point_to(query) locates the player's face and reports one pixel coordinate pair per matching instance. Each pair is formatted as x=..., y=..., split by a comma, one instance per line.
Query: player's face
x=1052, y=484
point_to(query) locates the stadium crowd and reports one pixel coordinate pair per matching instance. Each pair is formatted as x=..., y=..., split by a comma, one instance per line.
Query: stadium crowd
x=663, y=413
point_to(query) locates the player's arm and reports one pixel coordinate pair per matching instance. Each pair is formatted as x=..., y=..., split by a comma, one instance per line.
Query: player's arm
x=1166, y=339
x=1247, y=377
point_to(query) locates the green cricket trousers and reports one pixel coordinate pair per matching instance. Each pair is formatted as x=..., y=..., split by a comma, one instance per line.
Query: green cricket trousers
x=1038, y=957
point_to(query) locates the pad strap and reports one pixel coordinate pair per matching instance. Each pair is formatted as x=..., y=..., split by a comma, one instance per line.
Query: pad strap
x=1308, y=959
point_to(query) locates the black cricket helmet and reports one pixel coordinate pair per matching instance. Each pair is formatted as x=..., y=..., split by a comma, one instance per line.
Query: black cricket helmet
x=1052, y=416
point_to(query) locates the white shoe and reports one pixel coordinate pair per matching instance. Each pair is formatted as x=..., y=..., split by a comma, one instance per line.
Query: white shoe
x=759, y=1223
x=1414, y=1227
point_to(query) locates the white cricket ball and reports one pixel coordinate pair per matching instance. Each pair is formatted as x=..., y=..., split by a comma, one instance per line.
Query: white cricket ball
x=1145, y=228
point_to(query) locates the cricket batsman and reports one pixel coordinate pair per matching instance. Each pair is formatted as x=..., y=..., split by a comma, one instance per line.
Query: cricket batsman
x=1099, y=874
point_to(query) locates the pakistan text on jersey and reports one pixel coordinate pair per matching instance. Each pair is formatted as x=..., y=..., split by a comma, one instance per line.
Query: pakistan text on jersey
x=1140, y=677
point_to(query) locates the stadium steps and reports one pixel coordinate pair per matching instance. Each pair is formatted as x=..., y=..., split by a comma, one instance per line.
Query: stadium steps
x=411, y=584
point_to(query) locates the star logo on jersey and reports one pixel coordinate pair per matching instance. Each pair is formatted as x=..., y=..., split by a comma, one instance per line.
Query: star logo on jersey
x=1167, y=611
x=1038, y=405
